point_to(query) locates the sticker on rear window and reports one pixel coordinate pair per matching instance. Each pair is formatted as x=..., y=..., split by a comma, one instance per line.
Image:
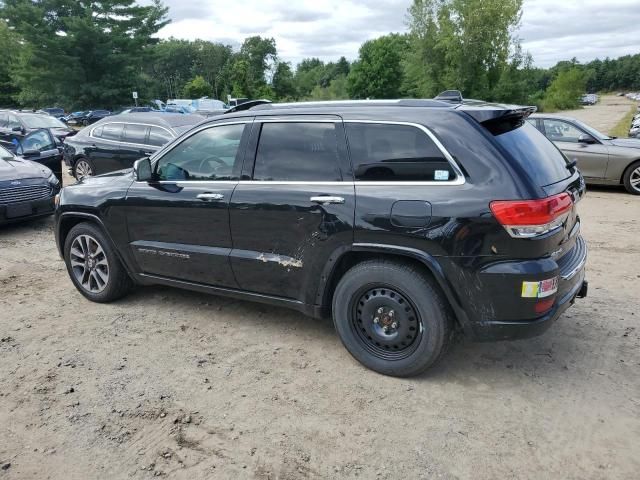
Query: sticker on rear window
x=441, y=175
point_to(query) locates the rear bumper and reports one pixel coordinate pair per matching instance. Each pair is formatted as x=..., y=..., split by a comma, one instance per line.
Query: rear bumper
x=502, y=312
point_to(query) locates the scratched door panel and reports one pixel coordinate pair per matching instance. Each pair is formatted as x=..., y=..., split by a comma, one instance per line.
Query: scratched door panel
x=282, y=239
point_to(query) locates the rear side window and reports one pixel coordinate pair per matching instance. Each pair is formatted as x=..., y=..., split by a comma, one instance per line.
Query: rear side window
x=303, y=152
x=158, y=136
x=135, y=133
x=112, y=131
x=540, y=158
x=387, y=152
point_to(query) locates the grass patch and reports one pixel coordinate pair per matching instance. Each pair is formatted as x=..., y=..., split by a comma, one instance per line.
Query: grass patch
x=621, y=130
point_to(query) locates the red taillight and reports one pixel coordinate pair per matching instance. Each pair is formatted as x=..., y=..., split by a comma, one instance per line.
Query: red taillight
x=528, y=218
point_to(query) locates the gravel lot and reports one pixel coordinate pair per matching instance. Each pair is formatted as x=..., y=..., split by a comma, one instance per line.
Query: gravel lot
x=182, y=385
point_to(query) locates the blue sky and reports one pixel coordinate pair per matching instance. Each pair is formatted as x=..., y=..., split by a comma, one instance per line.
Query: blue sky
x=551, y=30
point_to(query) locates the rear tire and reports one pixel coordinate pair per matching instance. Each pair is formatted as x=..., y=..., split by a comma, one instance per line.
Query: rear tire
x=94, y=267
x=392, y=318
x=631, y=178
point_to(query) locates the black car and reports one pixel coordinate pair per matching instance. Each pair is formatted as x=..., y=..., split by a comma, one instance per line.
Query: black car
x=406, y=221
x=116, y=142
x=15, y=125
x=54, y=112
x=91, y=116
x=27, y=189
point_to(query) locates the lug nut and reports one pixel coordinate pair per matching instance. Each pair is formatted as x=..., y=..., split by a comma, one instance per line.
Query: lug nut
x=386, y=329
x=394, y=325
x=392, y=313
x=376, y=320
x=380, y=310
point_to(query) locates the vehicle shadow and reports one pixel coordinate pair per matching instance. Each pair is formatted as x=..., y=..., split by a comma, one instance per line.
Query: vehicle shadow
x=551, y=355
x=27, y=225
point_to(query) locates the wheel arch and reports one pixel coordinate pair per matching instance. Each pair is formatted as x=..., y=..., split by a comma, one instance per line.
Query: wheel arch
x=627, y=168
x=68, y=220
x=345, y=258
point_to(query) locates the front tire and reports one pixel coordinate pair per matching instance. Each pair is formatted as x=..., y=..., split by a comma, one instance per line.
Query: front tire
x=94, y=267
x=631, y=178
x=391, y=318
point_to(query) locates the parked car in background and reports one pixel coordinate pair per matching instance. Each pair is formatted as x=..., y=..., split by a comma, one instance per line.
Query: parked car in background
x=15, y=125
x=73, y=117
x=404, y=220
x=54, y=112
x=27, y=189
x=116, y=142
x=92, y=116
x=181, y=109
x=602, y=160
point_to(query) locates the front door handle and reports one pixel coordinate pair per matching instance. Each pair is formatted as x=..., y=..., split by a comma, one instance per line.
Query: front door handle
x=210, y=197
x=326, y=200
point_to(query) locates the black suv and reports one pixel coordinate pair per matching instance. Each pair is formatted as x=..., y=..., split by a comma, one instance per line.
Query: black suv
x=405, y=220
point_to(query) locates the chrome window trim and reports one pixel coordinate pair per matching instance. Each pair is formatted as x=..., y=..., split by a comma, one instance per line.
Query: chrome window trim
x=459, y=180
x=172, y=134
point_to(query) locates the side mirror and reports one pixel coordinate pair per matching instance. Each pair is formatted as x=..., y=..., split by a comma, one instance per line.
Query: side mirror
x=142, y=170
x=16, y=129
x=585, y=138
x=30, y=153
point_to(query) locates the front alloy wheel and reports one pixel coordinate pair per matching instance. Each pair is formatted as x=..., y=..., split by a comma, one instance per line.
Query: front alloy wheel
x=89, y=263
x=633, y=181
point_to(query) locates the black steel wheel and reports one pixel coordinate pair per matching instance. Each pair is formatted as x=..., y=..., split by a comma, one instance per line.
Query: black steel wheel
x=387, y=324
x=391, y=317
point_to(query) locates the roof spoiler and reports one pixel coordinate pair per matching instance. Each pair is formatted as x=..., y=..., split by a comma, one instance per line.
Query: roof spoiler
x=452, y=96
x=247, y=105
x=485, y=113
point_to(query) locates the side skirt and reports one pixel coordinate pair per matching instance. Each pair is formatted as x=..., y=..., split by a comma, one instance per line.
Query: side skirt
x=314, y=311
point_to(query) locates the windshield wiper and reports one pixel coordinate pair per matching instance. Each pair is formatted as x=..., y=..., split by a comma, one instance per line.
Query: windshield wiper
x=571, y=164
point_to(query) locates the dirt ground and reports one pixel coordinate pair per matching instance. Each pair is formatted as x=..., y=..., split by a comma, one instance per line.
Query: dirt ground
x=173, y=384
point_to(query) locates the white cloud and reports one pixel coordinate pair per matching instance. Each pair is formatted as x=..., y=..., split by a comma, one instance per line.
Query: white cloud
x=551, y=30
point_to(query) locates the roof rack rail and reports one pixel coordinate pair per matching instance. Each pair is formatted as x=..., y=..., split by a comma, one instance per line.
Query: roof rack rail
x=405, y=102
x=247, y=105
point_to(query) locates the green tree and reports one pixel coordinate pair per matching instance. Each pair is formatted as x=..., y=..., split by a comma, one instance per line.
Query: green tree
x=283, y=82
x=461, y=44
x=378, y=73
x=196, y=88
x=565, y=90
x=11, y=47
x=81, y=53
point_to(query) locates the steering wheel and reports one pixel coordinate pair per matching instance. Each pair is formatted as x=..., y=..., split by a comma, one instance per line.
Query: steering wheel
x=212, y=158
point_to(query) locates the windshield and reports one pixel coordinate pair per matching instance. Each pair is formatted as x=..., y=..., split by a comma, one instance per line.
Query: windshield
x=42, y=121
x=592, y=131
x=5, y=154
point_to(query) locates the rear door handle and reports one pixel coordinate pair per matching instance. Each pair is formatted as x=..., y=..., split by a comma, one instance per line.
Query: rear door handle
x=326, y=199
x=210, y=197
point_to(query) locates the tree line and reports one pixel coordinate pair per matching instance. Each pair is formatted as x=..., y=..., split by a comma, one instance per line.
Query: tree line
x=95, y=53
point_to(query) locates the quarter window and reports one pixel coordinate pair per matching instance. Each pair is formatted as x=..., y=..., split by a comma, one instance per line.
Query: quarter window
x=559, y=131
x=40, y=141
x=211, y=154
x=158, y=136
x=112, y=131
x=387, y=152
x=297, y=152
x=135, y=133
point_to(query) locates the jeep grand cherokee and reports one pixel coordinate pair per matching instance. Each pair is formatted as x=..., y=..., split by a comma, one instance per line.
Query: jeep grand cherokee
x=406, y=221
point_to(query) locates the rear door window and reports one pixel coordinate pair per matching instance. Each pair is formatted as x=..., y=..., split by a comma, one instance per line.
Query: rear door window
x=535, y=154
x=304, y=152
x=388, y=152
x=134, y=133
x=158, y=136
x=112, y=131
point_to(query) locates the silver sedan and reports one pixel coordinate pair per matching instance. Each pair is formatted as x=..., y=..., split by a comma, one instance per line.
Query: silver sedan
x=602, y=160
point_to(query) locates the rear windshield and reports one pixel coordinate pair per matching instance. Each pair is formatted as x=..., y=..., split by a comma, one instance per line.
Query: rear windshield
x=540, y=158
